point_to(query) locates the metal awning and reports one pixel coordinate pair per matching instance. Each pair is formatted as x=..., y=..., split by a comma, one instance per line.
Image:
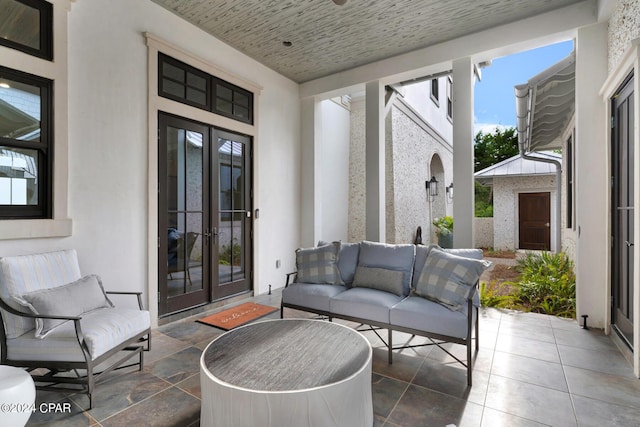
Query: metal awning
x=544, y=106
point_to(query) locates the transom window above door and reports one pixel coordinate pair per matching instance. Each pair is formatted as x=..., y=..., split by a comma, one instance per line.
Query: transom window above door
x=183, y=83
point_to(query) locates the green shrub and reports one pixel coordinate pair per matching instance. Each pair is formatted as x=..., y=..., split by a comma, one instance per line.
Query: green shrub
x=548, y=283
x=498, y=295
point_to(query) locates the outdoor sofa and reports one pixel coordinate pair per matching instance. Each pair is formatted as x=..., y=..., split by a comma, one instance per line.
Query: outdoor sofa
x=61, y=325
x=421, y=290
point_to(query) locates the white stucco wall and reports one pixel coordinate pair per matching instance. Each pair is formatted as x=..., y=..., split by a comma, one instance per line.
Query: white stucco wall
x=108, y=137
x=505, y=206
x=483, y=232
x=418, y=95
x=334, y=173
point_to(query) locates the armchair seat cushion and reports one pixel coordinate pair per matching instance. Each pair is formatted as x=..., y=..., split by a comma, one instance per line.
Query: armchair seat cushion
x=365, y=303
x=103, y=329
x=425, y=315
x=309, y=295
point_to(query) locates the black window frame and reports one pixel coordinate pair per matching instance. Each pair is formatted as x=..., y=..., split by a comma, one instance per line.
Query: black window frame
x=212, y=84
x=569, y=182
x=46, y=31
x=44, y=147
x=449, y=100
x=435, y=91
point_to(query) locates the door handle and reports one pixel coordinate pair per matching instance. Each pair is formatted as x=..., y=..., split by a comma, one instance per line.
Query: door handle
x=547, y=225
x=628, y=243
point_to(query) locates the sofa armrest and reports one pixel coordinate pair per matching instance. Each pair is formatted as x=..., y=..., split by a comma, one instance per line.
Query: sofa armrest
x=289, y=276
x=137, y=294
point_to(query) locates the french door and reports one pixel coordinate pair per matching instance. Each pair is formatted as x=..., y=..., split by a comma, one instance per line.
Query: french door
x=204, y=218
x=622, y=216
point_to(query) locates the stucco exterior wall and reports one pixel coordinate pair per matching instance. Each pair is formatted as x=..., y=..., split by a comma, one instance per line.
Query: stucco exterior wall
x=483, y=232
x=624, y=26
x=357, y=176
x=505, y=206
x=409, y=153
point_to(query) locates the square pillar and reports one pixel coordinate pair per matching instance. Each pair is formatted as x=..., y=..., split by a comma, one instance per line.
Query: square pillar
x=310, y=189
x=375, y=165
x=463, y=202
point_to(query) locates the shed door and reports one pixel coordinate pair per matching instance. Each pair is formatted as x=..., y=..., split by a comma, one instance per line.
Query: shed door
x=535, y=220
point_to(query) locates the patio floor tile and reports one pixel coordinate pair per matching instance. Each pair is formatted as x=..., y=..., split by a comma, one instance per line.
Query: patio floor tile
x=520, y=379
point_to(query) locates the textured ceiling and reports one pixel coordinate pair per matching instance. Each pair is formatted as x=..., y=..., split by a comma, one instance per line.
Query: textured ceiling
x=326, y=38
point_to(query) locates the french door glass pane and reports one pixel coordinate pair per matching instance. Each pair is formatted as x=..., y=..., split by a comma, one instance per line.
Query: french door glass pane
x=232, y=214
x=185, y=211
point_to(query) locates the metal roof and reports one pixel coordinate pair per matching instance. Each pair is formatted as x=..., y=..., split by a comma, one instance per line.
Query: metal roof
x=545, y=105
x=518, y=166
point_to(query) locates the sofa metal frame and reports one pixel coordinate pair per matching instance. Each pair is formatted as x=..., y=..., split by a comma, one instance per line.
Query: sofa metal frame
x=436, y=339
x=52, y=378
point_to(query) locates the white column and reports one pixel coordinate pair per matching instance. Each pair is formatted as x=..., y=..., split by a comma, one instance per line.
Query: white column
x=592, y=177
x=374, y=135
x=463, y=211
x=310, y=183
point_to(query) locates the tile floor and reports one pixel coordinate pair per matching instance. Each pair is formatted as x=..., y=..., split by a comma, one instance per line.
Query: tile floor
x=531, y=370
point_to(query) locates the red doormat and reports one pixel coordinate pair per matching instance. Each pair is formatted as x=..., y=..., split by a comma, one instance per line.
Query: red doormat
x=237, y=316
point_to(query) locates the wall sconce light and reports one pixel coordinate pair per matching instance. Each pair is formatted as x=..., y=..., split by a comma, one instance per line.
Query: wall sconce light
x=432, y=186
x=449, y=191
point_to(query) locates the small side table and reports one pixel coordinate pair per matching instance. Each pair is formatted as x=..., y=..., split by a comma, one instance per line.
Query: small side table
x=17, y=396
x=287, y=373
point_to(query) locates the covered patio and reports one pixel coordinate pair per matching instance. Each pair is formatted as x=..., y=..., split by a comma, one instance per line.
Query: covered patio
x=531, y=370
x=106, y=180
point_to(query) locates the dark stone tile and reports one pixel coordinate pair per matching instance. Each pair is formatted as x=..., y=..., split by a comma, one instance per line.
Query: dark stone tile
x=178, y=366
x=422, y=407
x=172, y=407
x=190, y=331
x=403, y=367
x=452, y=380
x=386, y=392
x=66, y=414
x=120, y=393
x=163, y=345
x=191, y=385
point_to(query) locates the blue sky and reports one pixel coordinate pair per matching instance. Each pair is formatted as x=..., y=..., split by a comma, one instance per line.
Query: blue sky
x=494, y=100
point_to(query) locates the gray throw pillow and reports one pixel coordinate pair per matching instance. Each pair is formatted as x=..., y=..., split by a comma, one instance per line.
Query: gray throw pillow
x=399, y=257
x=449, y=279
x=380, y=279
x=74, y=299
x=318, y=265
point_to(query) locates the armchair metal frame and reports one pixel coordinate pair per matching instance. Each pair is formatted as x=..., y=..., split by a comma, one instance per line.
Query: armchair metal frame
x=52, y=380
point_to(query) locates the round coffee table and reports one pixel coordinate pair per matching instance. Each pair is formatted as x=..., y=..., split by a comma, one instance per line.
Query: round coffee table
x=287, y=372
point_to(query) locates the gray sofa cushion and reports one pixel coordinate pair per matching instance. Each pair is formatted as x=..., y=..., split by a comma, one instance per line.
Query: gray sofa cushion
x=73, y=299
x=390, y=257
x=379, y=278
x=364, y=303
x=312, y=296
x=424, y=315
x=449, y=279
x=347, y=260
x=318, y=265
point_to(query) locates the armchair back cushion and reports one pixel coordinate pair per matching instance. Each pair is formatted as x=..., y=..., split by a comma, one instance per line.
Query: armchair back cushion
x=28, y=273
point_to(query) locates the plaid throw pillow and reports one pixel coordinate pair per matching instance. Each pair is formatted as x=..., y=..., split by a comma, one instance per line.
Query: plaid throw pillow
x=449, y=279
x=319, y=265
